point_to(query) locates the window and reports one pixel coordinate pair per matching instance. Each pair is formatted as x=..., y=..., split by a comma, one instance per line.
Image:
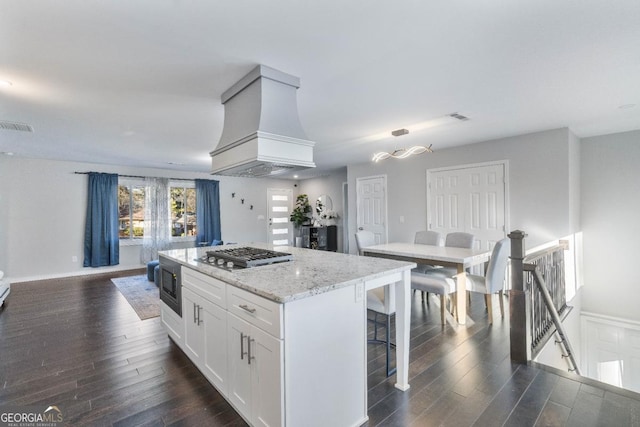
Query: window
x=183, y=210
x=131, y=211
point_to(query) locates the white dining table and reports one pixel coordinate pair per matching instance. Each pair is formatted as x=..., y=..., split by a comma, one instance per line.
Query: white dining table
x=460, y=258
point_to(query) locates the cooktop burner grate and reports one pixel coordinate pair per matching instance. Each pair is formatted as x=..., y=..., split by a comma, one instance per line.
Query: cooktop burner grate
x=247, y=256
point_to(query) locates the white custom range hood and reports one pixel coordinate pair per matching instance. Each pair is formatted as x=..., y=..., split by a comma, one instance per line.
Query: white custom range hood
x=262, y=135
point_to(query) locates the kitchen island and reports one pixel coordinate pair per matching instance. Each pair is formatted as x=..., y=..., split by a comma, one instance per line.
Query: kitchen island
x=285, y=343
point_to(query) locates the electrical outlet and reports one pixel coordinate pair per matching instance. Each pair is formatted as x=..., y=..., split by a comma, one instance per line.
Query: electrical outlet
x=359, y=292
x=74, y=259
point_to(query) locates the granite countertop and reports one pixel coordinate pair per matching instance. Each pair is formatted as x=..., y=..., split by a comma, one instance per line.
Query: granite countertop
x=310, y=273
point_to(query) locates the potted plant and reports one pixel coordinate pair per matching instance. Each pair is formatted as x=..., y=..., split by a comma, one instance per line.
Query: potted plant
x=301, y=214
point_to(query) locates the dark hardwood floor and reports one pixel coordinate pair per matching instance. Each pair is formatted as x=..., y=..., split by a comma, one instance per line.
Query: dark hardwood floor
x=76, y=343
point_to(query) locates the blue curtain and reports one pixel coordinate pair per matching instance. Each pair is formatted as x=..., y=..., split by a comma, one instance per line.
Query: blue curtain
x=208, y=211
x=101, y=243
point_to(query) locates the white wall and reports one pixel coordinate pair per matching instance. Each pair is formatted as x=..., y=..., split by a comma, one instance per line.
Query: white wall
x=610, y=211
x=540, y=189
x=43, y=207
x=330, y=185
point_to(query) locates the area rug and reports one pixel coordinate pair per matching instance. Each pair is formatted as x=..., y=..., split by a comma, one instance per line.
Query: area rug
x=143, y=296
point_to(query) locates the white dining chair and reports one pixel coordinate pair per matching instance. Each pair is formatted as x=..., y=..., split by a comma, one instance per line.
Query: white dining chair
x=456, y=239
x=459, y=239
x=364, y=238
x=494, y=279
x=438, y=280
x=491, y=283
x=435, y=284
x=427, y=237
x=380, y=301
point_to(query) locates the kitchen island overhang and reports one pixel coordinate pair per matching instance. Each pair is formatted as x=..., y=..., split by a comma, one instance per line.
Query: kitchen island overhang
x=317, y=303
x=309, y=273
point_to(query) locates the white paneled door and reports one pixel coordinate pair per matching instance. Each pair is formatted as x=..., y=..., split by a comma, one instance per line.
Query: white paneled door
x=471, y=199
x=280, y=205
x=372, y=206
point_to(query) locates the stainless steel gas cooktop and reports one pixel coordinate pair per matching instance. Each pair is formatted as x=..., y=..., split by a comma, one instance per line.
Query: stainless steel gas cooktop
x=244, y=257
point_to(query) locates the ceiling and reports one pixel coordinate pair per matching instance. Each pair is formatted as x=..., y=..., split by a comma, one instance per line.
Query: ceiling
x=139, y=83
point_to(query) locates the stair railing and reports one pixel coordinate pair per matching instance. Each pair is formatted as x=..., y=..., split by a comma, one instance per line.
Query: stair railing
x=537, y=301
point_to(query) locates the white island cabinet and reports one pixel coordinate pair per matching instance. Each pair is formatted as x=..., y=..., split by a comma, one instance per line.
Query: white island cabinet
x=255, y=373
x=205, y=333
x=285, y=344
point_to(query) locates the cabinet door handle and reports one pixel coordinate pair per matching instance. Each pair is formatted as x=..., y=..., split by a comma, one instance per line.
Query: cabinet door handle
x=249, y=356
x=199, y=320
x=242, y=353
x=245, y=307
x=194, y=313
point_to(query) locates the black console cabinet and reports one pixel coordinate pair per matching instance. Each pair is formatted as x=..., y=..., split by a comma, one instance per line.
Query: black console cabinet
x=321, y=238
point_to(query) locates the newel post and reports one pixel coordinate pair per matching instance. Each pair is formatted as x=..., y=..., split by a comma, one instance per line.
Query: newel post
x=519, y=306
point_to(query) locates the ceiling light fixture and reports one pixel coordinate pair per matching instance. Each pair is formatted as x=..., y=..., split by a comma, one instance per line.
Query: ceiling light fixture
x=5, y=83
x=401, y=153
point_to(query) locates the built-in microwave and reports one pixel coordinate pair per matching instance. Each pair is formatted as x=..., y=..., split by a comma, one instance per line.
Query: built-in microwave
x=171, y=284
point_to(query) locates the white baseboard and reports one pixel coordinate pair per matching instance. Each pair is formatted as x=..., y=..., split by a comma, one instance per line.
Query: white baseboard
x=88, y=271
x=611, y=320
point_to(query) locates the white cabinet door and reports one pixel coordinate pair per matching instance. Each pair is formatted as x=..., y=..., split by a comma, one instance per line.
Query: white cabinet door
x=267, y=378
x=239, y=370
x=205, y=338
x=214, y=335
x=173, y=324
x=193, y=335
x=255, y=375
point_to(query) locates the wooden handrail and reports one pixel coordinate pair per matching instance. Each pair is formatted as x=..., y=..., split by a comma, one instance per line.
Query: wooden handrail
x=532, y=257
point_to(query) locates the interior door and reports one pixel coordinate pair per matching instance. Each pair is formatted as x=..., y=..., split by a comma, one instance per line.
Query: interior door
x=280, y=205
x=371, y=206
x=470, y=199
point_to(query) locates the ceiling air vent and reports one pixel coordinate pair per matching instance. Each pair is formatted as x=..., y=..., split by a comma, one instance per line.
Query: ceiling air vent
x=458, y=116
x=15, y=126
